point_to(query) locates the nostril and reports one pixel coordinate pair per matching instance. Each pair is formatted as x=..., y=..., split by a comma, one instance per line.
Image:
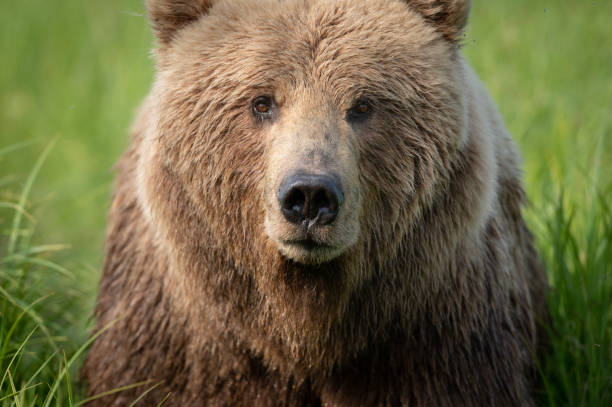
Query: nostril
x=323, y=206
x=319, y=199
x=294, y=201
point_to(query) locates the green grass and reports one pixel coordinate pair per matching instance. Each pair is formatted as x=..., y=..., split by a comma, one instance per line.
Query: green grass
x=35, y=324
x=578, y=367
x=73, y=73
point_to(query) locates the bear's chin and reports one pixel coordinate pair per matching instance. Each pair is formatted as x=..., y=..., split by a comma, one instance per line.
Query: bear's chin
x=309, y=253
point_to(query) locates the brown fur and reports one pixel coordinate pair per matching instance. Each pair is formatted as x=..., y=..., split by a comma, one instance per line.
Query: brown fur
x=431, y=292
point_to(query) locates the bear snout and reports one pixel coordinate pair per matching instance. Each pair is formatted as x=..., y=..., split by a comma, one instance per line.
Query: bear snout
x=310, y=200
x=312, y=188
x=309, y=216
x=312, y=214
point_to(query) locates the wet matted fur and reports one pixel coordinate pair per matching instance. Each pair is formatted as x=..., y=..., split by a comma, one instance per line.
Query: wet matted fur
x=426, y=289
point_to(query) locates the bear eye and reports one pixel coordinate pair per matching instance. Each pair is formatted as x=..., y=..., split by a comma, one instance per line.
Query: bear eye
x=263, y=106
x=361, y=110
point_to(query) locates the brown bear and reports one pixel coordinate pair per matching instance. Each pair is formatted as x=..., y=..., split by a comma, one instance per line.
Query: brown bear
x=320, y=206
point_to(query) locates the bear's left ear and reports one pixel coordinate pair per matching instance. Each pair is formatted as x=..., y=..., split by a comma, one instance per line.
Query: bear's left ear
x=168, y=16
x=449, y=17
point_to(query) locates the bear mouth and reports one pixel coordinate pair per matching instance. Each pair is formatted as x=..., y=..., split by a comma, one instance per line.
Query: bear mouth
x=309, y=251
x=308, y=244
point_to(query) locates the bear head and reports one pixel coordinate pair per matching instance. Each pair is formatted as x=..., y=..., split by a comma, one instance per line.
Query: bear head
x=290, y=149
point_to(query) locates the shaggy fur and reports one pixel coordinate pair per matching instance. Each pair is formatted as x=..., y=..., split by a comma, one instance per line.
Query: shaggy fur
x=431, y=291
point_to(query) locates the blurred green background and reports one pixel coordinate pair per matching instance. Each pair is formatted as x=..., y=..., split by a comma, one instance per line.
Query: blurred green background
x=76, y=71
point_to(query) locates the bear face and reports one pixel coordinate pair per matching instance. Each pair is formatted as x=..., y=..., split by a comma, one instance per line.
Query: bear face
x=296, y=144
x=313, y=67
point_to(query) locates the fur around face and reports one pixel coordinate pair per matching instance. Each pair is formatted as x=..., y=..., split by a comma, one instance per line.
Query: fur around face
x=431, y=294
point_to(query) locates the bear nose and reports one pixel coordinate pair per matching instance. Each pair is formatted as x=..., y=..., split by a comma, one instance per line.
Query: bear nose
x=310, y=199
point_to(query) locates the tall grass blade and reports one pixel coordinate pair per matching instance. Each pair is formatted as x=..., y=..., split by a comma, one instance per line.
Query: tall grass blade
x=143, y=395
x=17, y=353
x=64, y=370
x=24, y=195
x=113, y=391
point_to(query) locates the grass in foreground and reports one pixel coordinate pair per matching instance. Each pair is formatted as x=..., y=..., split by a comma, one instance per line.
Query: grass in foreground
x=576, y=245
x=36, y=354
x=42, y=340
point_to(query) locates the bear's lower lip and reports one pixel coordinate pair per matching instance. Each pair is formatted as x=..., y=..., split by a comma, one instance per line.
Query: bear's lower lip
x=308, y=251
x=308, y=244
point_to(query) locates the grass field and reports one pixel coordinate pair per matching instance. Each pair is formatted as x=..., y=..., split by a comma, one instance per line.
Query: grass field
x=73, y=72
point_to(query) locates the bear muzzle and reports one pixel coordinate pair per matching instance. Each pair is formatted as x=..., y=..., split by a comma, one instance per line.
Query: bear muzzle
x=310, y=204
x=311, y=190
x=310, y=200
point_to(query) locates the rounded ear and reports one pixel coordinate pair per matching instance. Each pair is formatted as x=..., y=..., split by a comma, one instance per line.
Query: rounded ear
x=448, y=16
x=168, y=16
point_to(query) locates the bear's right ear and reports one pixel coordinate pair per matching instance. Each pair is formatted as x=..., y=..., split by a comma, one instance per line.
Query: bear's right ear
x=449, y=17
x=168, y=16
